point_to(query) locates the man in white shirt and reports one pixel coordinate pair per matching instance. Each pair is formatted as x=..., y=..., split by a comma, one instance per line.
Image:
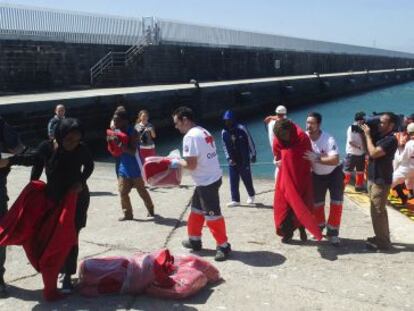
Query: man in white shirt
x=405, y=170
x=355, y=152
x=327, y=175
x=281, y=113
x=201, y=159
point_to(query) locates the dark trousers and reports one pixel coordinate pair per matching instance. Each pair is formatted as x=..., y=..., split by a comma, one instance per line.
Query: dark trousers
x=243, y=171
x=3, y=210
x=80, y=221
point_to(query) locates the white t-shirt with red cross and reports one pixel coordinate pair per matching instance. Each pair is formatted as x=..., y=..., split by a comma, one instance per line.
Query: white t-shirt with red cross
x=198, y=142
x=325, y=145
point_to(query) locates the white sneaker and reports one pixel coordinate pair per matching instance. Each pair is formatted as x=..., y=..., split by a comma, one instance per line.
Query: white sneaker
x=233, y=204
x=250, y=200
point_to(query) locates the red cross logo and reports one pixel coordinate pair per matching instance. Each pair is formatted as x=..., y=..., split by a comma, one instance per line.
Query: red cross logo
x=209, y=139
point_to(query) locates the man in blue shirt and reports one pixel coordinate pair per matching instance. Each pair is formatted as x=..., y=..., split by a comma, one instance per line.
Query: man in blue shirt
x=130, y=168
x=240, y=151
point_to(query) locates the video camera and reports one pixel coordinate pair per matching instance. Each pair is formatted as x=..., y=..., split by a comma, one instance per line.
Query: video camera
x=355, y=128
x=374, y=121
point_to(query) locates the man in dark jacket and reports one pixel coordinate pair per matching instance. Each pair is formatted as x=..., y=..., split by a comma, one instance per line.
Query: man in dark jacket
x=10, y=142
x=239, y=150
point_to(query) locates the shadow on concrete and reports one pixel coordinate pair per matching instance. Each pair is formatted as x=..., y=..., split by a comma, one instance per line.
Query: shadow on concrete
x=77, y=302
x=24, y=294
x=165, y=221
x=252, y=258
x=350, y=246
x=102, y=194
x=256, y=206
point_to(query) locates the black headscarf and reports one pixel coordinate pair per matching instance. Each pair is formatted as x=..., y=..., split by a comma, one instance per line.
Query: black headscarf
x=65, y=126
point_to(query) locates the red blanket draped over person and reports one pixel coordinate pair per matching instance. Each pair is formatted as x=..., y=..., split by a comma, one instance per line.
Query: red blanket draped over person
x=45, y=229
x=293, y=189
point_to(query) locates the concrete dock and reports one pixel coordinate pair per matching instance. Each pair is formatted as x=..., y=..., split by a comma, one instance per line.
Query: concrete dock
x=262, y=273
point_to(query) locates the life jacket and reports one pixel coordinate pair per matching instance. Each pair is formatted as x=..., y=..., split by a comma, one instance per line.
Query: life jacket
x=116, y=140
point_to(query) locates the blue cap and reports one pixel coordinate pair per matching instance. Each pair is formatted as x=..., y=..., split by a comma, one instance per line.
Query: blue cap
x=228, y=115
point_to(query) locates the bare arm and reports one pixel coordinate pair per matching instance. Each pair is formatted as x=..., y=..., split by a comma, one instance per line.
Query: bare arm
x=189, y=163
x=329, y=159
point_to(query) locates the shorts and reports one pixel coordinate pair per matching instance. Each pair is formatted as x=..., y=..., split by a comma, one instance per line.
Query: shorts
x=354, y=162
x=206, y=199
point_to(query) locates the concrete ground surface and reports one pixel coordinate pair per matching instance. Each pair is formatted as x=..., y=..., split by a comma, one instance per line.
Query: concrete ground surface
x=262, y=273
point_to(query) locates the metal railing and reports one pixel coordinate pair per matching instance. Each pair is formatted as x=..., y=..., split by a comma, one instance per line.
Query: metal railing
x=116, y=60
x=20, y=22
x=173, y=31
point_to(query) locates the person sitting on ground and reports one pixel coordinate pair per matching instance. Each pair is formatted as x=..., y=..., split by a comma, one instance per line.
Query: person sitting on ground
x=293, y=199
x=239, y=150
x=405, y=171
x=130, y=169
x=402, y=138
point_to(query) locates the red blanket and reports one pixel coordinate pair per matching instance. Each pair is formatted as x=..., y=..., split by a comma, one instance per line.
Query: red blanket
x=294, y=183
x=115, y=141
x=158, y=174
x=44, y=229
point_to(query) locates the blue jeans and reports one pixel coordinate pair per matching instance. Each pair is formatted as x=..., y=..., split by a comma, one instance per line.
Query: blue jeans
x=243, y=171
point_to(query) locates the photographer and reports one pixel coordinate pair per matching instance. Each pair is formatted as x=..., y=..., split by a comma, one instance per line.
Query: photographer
x=355, y=152
x=381, y=148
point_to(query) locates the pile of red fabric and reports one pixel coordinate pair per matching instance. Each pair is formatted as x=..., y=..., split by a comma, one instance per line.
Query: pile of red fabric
x=158, y=274
x=158, y=174
x=191, y=274
x=46, y=231
x=294, y=183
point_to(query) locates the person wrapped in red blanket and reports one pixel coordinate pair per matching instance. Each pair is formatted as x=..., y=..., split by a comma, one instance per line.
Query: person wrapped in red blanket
x=46, y=218
x=293, y=199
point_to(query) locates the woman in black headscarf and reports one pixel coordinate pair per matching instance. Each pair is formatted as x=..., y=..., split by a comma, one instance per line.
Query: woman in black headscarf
x=68, y=164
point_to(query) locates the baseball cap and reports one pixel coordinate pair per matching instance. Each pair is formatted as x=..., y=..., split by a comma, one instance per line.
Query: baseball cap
x=281, y=109
x=410, y=128
x=228, y=115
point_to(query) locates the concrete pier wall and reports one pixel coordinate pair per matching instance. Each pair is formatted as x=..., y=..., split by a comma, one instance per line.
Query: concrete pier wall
x=27, y=66
x=30, y=113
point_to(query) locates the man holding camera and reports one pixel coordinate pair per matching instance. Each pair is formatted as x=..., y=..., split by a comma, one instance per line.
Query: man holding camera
x=381, y=146
x=355, y=152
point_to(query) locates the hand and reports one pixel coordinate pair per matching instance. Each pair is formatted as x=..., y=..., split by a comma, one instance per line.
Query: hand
x=366, y=129
x=253, y=160
x=4, y=163
x=232, y=163
x=278, y=163
x=312, y=156
x=175, y=164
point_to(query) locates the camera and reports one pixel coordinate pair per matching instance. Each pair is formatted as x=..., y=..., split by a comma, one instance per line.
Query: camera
x=355, y=128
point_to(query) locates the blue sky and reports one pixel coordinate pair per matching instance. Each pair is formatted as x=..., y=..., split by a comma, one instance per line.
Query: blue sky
x=387, y=24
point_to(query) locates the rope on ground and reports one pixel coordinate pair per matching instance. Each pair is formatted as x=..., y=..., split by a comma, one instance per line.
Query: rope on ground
x=177, y=224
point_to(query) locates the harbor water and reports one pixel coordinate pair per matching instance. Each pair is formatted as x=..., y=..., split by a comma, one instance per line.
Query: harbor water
x=337, y=115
